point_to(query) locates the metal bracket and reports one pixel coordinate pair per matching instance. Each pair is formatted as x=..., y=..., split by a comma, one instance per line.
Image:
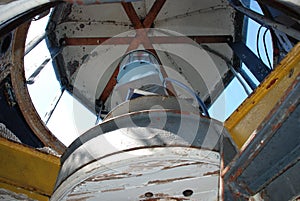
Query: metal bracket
x=254, y=64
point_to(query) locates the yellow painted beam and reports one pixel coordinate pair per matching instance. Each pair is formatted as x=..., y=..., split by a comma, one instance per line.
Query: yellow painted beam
x=255, y=109
x=27, y=169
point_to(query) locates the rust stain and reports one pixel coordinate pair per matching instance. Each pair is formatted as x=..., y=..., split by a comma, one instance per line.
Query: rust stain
x=80, y=199
x=168, y=180
x=157, y=195
x=181, y=112
x=164, y=198
x=182, y=165
x=272, y=83
x=78, y=194
x=161, y=195
x=245, y=186
x=291, y=108
x=105, y=177
x=237, y=173
x=276, y=126
x=112, y=190
x=217, y=172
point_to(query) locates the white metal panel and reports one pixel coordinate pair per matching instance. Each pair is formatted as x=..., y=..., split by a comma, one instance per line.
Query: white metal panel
x=98, y=13
x=162, y=172
x=189, y=17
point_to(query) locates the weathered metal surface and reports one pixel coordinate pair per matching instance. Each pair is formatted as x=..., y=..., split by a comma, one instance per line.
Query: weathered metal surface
x=288, y=7
x=285, y=187
x=254, y=64
x=167, y=153
x=17, y=12
x=154, y=40
x=29, y=171
x=81, y=22
x=142, y=27
x=276, y=143
x=17, y=192
x=12, y=118
x=270, y=23
x=247, y=118
x=153, y=12
x=11, y=196
x=160, y=173
x=5, y=55
x=191, y=127
x=4, y=73
x=23, y=97
x=140, y=38
x=145, y=103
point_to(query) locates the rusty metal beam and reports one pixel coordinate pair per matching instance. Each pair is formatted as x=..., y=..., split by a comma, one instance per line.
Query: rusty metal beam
x=22, y=95
x=154, y=40
x=156, y=7
x=275, y=142
x=141, y=34
x=142, y=30
x=98, y=41
x=191, y=39
x=140, y=38
x=132, y=15
x=109, y=86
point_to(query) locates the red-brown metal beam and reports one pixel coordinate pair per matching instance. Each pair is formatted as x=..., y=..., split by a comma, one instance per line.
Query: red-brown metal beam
x=98, y=41
x=136, y=22
x=156, y=7
x=141, y=34
x=132, y=15
x=154, y=40
x=140, y=38
x=109, y=86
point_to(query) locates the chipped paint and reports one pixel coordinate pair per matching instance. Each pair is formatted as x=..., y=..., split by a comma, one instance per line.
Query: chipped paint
x=168, y=180
x=164, y=177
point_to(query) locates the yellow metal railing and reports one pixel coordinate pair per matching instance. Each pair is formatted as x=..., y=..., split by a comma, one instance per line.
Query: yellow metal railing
x=256, y=108
x=24, y=170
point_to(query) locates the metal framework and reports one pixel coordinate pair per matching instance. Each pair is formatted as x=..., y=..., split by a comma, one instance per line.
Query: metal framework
x=257, y=126
x=22, y=95
x=142, y=27
x=141, y=38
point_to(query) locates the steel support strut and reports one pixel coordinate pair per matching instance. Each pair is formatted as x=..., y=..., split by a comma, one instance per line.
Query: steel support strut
x=140, y=38
x=254, y=64
x=153, y=39
x=263, y=20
